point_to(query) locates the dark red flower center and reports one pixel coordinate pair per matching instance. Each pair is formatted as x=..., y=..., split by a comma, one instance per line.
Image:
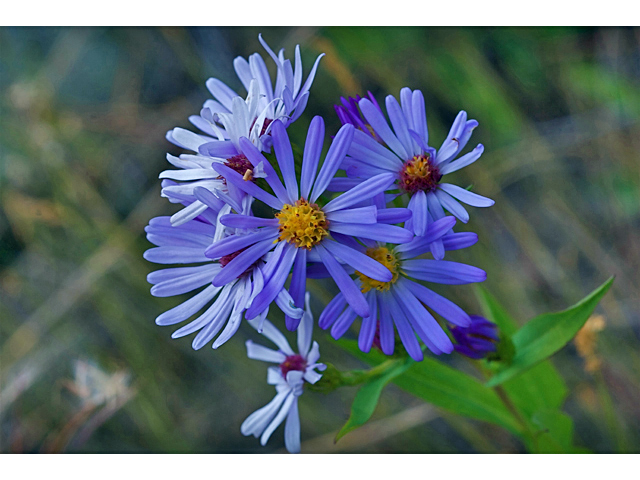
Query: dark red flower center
x=293, y=362
x=238, y=163
x=419, y=174
x=265, y=125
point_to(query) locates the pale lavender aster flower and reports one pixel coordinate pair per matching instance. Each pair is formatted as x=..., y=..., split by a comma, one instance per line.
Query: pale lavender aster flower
x=285, y=100
x=405, y=153
x=293, y=370
x=301, y=230
x=225, y=305
x=230, y=117
x=195, y=169
x=401, y=302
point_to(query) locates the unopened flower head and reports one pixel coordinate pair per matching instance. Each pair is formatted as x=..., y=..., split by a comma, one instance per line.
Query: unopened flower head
x=477, y=340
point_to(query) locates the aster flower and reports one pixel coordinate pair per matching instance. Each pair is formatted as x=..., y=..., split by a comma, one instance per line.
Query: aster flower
x=284, y=100
x=301, y=230
x=478, y=339
x=401, y=301
x=293, y=370
x=405, y=153
x=228, y=118
x=225, y=305
x=195, y=168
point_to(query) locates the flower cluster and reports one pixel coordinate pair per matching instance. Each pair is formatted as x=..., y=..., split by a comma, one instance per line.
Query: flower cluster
x=258, y=220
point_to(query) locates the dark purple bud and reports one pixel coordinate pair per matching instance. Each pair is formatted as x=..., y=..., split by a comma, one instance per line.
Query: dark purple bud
x=478, y=340
x=349, y=112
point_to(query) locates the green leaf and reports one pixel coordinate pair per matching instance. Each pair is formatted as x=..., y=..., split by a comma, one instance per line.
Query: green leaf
x=447, y=388
x=545, y=335
x=367, y=398
x=539, y=388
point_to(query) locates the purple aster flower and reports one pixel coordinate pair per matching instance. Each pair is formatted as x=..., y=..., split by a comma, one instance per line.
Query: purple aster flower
x=225, y=305
x=301, y=230
x=402, y=300
x=417, y=168
x=293, y=370
x=478, y=339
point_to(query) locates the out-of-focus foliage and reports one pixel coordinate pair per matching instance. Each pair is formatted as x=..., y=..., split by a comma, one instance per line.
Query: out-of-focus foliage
x=83, y=113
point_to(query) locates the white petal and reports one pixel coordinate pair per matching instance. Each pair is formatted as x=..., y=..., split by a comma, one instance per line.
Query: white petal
x=259, y=352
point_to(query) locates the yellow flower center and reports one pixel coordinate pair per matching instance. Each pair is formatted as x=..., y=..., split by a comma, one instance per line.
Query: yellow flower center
x=302, y=224
x=386, y=258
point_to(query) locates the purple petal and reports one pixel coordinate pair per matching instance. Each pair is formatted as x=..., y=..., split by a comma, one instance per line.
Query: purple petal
x=368, y=327
x=239, y=265
x=394, y=215
x=248, y=187
x=311, y=157
x=439, y=304
x=387, y=334
x=255, y=157
x=463, y=161
x=343, y=323
x=274, y=284
x=466, y=196
x=284, y=155
x=399, y=123
x=236, y=242
x=381, y=127
x=361, y=262
x=456, y=241
x=434, y=270
x=235, y=220
x=346, y=285
x=366, y=189
x=405, y=331
x=224, y=149
x=298, y=287
x=380, y=232
x=335, y=155
x=448, y=202
x=418, y=207
x=332, y=311
x=363, y=215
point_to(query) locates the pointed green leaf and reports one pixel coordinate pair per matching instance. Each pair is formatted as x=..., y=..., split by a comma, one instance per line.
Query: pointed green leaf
x=367, y=398
x=545, y=335
x=446, y=388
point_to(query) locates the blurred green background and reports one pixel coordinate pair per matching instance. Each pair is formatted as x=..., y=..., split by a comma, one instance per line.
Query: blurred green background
x=83, y=114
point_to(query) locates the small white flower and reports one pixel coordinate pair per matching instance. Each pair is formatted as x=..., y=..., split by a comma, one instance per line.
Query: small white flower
x=288, y=377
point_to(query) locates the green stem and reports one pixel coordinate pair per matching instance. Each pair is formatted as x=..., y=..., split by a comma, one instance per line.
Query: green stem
x=333, y=378
x=504, y=397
